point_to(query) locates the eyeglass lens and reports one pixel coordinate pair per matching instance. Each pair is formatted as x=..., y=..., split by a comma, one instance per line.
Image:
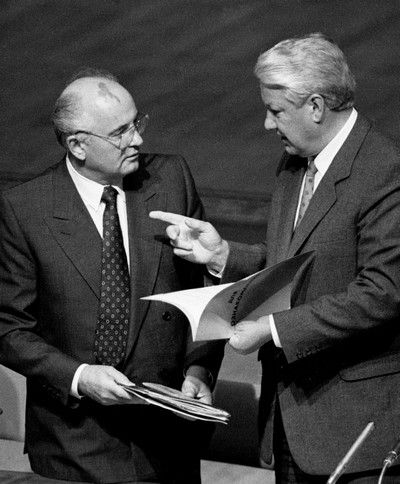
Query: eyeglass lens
x=138, y=125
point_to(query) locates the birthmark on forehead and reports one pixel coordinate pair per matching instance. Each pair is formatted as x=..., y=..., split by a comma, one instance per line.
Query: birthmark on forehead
x=106, y=93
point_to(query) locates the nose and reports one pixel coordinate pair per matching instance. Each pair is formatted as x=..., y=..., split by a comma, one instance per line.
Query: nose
x=136, y=139
x=269, y=122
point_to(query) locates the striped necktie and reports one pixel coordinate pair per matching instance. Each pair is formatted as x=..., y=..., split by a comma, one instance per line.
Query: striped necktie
x=308, y=190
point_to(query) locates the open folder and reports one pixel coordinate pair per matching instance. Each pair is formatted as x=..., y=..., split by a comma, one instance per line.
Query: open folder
x=177, y=402
x=213, y=311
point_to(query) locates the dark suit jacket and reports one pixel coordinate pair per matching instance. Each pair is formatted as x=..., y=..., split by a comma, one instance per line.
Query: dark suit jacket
x=340, y=365
x=50, y=258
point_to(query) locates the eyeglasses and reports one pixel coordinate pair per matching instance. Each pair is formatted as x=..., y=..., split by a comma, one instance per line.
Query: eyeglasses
x=123, y=139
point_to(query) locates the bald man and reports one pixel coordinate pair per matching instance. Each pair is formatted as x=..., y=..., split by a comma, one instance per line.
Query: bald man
x=77, y=252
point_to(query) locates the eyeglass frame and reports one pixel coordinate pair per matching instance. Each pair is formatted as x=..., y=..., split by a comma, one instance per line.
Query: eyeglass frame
x=139, y=124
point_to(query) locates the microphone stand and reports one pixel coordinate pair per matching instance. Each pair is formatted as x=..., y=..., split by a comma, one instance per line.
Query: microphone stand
x=386, y=465
x=390, y=459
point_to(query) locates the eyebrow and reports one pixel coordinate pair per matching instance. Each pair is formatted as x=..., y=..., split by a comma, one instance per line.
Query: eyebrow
x=119, y=129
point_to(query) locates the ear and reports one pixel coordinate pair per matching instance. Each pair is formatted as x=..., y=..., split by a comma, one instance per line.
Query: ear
x=317, y=107
x=76, y=146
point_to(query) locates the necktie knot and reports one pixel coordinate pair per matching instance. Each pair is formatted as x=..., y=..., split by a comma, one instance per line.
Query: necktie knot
x=109, y=194
x=311, y=169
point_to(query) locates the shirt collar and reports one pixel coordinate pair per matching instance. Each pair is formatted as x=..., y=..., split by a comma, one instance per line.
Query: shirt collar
x=325, y=157
x=89, y=190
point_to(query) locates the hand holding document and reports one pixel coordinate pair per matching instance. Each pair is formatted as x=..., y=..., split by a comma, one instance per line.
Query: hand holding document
x=177, y=402
x=213, y=311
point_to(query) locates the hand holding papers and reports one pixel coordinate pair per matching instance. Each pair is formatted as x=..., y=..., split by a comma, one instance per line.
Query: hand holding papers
x=213, y=311
x=177, y=402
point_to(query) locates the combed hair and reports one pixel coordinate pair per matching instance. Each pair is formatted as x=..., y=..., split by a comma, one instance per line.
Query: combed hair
x=67, y=107
x=312, y=64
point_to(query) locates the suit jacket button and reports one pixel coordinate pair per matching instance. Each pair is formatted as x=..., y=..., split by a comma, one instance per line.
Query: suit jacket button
x=166, y=315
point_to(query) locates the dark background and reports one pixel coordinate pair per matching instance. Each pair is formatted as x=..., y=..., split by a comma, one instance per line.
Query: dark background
x=189, y=64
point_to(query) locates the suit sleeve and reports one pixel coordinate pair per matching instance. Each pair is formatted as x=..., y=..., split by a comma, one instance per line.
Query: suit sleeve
x=243, y=260
x=21, y=347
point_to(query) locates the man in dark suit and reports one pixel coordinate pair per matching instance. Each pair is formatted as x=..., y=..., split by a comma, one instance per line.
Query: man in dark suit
x=331, y=363
x=71, y=318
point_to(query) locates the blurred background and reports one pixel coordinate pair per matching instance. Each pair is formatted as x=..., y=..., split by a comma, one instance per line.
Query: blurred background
x=189, y=64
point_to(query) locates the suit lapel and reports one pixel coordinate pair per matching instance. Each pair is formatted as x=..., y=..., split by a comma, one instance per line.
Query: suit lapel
x=287, y=199
x=144, y=248
x=325, y=195
x=74, y=230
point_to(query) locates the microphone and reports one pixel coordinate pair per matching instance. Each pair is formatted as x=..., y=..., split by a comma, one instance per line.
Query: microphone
x=341, y=467
x=392, y=455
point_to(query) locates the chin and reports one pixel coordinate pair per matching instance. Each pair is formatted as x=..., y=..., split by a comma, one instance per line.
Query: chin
x=131, y=167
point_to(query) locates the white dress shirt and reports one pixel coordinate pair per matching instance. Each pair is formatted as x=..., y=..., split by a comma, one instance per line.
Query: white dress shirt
x=324, y=159
x=91, y=193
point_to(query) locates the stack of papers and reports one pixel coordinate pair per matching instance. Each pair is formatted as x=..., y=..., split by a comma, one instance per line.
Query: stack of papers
x=176, y=401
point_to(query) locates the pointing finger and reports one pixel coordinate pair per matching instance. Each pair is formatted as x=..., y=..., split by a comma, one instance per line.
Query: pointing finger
x=171, y=218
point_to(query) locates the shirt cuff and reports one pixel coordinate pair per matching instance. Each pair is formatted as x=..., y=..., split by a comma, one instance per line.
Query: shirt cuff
x=215, y=273
x=274, y=332
x=74, y=385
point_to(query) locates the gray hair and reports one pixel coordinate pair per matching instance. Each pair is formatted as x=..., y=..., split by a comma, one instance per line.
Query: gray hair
x=312, y=64
x=67, y=108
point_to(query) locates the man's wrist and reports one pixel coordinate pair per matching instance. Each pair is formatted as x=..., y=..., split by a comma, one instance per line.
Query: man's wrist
x=201, y=373
x=218, y=262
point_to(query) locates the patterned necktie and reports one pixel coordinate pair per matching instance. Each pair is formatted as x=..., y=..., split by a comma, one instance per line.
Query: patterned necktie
x=113, y=319
x=308, y=190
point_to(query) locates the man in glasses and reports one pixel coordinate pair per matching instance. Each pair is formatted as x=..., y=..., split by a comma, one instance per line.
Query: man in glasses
x=77, y=253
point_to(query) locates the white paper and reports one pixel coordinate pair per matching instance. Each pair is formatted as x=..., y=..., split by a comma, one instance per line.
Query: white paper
x=213, y=311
